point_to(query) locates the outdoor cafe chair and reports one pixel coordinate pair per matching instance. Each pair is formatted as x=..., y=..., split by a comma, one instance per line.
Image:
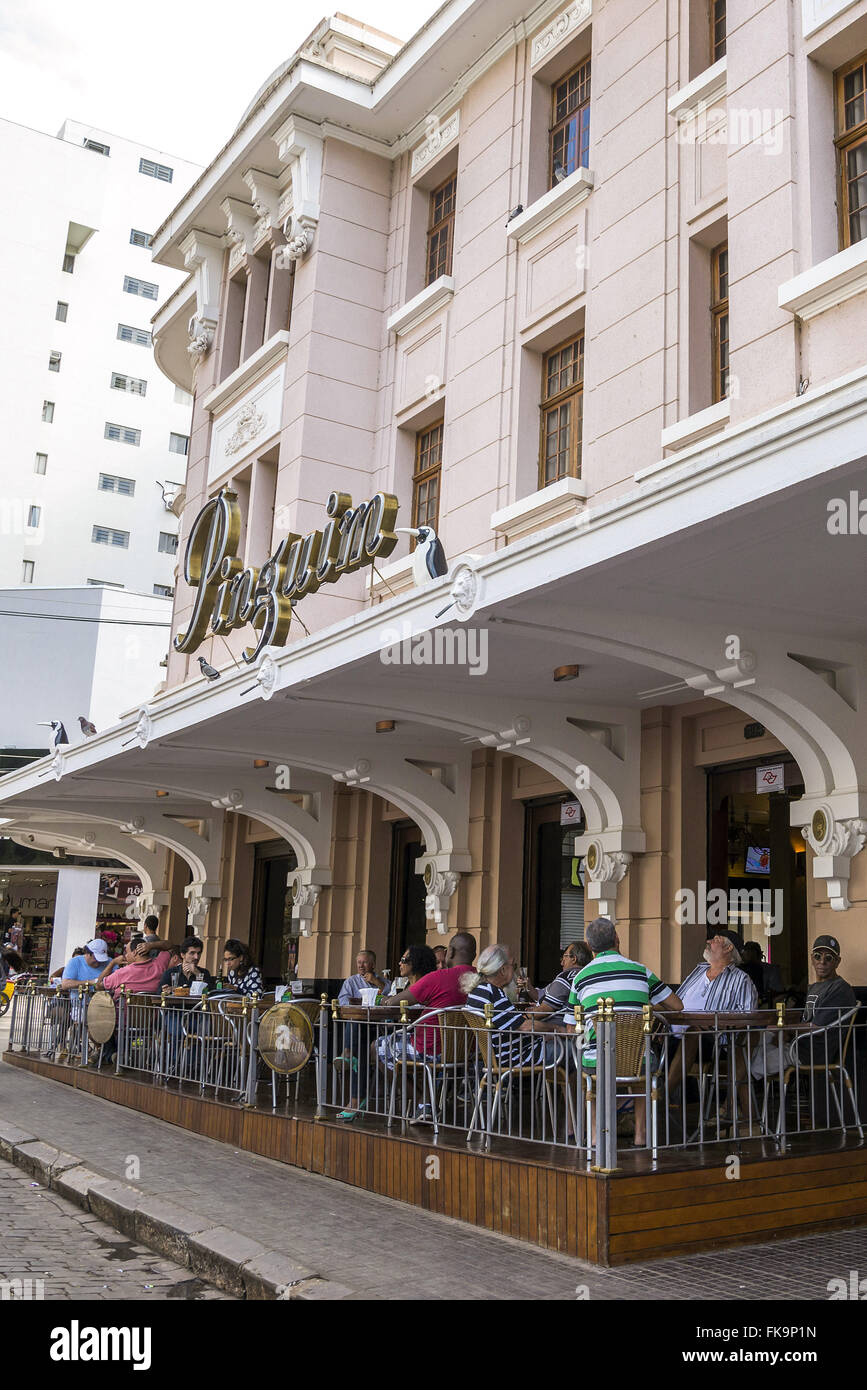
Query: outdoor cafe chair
x=830, y=1069
x=500, y=1076
x=630, y=1050
x=456, y=1050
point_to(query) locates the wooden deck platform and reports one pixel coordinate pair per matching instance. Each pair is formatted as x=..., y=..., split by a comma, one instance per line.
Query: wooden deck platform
x=681, y=1203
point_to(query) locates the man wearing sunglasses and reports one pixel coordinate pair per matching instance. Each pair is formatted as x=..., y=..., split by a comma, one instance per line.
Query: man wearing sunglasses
x=828, y=998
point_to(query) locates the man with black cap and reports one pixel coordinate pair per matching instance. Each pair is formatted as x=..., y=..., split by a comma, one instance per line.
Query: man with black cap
x=827, y=999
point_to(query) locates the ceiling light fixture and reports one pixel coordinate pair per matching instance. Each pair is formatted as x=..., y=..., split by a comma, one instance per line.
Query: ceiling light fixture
x=162, y=793
x=385, y=726
x=260, y=762
x=567, y=673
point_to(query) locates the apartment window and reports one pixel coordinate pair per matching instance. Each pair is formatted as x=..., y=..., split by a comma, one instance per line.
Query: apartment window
x=140, y=336
x=179, y=443
x=48, y=412
x=33, y=517
x=569, y=142
x=97, y=147
x=146, y=289
x=41, y=463
x=182, y=397
x=168, y=544
x=69, y=262
x=61, y=311
x=27, y=570
x=717, y=30
x=562, y=406
x=106, y=535
x=135, y=385
x=104, y=583
x=54, y=361
x=441, y=230
x=426, y=477
x=122, y=434
x=109, y=482
x=163, y=591
x=851, y=83
x=719, y=310
x=155, y=171
x=137, y=238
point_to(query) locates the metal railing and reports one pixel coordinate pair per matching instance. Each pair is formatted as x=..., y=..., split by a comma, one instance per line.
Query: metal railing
x=593, y=1088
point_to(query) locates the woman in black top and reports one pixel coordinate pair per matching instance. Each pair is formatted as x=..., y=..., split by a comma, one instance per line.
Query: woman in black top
x=244, y=977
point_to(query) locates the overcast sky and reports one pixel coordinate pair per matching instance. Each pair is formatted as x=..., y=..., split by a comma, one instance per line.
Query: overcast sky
x=170, y=74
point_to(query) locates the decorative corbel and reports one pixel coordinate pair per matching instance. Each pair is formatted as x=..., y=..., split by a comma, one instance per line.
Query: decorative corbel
x=265, y=194
x=232, y=801
x=834, y=844
x=737, y=675
x=203, y=257
x=354, y=776
x=240, y=227
x=604, y=870
x=199, y=895
x=440, y=885
x=305, y=886
x=300, y=145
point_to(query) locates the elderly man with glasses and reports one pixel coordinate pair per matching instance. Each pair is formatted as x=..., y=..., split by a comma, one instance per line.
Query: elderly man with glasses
x=828, y=998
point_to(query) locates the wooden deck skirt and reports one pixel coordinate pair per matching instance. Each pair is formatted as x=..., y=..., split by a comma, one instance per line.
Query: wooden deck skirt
x=682, y=1204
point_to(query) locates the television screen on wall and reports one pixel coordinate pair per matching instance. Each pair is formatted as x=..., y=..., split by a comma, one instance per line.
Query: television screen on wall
x=758, y=861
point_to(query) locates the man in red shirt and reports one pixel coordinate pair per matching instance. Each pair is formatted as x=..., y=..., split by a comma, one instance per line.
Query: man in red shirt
x=441, y=989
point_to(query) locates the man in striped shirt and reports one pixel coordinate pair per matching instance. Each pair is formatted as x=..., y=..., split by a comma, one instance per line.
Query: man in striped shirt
x=631, y=985
x=716, y=985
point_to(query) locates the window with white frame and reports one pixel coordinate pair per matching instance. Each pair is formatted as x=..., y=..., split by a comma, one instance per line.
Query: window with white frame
x=34, y=515
x=41, y=463
x=127, y=334
x=179, y=443
x=110, y=482
x=135, y=385
x=137, y=238
x=54, y=361
x=48, y=412
x=156, y=171
x=69, y=262
x=27, y=571
x=122, y=434
x=61, y=311
x=168, y=544
x=145, y=289
x=107, y=535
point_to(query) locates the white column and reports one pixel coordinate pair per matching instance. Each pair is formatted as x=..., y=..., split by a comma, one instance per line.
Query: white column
x=75, y=910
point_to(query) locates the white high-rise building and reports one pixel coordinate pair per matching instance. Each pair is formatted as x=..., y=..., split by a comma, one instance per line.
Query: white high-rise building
x=93, y=435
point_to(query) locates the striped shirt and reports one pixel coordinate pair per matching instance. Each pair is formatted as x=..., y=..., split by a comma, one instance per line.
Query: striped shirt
x=510, y=1047
x=612, y=976
x=557, y=993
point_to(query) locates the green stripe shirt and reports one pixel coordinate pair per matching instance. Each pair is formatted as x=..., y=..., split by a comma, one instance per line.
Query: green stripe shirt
x=612, y=976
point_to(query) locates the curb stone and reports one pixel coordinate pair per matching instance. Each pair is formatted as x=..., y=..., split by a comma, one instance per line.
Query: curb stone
x=227, y=1258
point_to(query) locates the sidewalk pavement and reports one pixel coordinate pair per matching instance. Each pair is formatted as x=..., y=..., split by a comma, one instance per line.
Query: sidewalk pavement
x=261, y=1229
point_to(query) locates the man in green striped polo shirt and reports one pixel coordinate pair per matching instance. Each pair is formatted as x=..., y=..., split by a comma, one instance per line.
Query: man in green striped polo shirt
x=631, y=985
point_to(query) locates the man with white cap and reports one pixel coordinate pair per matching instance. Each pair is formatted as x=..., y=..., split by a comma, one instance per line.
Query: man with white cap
x=80, y=969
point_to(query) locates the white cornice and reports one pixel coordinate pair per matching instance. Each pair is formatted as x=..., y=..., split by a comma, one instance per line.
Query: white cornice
x=551, y=206
x=266, y=357
x=700, y=93
x=416, y=310
x=827, y=284
x=439, y=136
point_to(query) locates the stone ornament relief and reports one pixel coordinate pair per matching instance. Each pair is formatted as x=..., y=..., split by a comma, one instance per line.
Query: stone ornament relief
x=560, y=28
x=439, y=134
x=248, y=423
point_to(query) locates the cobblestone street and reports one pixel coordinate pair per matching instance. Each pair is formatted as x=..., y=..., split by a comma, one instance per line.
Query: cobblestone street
x=69, y=1254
